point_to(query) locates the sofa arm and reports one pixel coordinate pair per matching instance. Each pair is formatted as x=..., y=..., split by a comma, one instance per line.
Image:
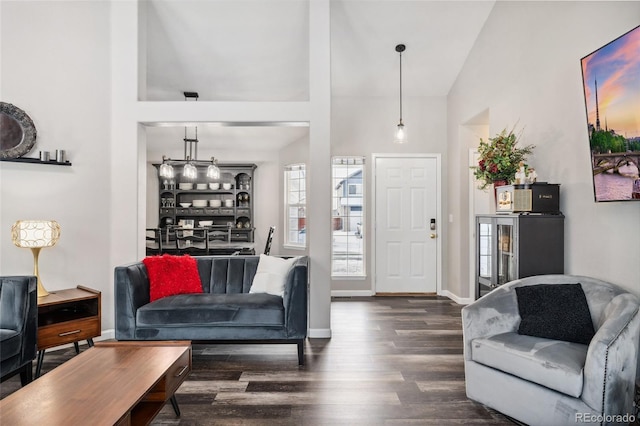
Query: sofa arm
x=495, y=313
x=295, y=300
x=131, y=292
x=610, y=367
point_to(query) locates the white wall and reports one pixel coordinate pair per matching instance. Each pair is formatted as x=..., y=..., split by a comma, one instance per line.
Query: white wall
x=364, y=126
x=55, y=66
x=525, y=68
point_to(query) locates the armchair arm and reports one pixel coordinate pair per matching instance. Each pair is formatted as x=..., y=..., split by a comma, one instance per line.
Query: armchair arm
x=610, y=367
x=30, y=330
x=495, y=313
x=131, y=290
x=19, y=308
x=295, y=300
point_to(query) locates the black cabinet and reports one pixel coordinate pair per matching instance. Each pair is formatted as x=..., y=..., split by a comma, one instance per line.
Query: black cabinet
x=512, y=246
x=203, y=202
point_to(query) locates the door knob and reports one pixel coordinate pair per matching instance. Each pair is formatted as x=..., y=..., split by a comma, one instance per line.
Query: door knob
x=432, y=236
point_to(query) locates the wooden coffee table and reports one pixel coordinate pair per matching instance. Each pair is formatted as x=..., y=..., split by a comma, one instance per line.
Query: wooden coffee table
x=114, y=383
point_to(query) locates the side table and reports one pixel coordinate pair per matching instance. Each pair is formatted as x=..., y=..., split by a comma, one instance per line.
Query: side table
x=68, y=316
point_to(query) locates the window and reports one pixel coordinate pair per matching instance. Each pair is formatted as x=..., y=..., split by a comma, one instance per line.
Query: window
x=295, y=193
x=347, y=251
x=355, y=189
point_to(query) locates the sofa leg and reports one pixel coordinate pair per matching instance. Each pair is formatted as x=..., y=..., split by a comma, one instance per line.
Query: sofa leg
x=301, y=352
x=26, y=375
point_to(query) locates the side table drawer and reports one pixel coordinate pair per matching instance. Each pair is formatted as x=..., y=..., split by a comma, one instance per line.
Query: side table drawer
x=68, y=332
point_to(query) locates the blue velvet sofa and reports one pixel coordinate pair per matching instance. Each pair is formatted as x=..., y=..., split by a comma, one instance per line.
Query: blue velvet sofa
x=224, y=312
x=18, y=326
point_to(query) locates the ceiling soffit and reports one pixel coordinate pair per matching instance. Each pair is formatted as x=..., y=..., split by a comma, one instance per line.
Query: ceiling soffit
x=257, y=50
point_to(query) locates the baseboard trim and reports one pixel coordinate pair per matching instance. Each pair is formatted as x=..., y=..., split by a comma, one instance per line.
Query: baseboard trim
x=319, y=333
x=457, y=299
x=107, y=335
x=405, y=294
x=351, y=293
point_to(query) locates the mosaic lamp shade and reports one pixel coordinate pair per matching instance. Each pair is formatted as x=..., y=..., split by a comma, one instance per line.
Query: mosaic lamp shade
x=35, y=235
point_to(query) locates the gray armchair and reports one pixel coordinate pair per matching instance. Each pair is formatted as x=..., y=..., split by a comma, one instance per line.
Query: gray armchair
x=18, y=326
x=549, y=382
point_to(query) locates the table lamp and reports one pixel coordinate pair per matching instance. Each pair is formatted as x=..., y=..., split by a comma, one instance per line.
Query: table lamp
x=36, y=234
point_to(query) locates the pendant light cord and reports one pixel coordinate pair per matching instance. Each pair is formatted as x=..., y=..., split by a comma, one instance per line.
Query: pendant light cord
x=401, y=87
x=400, y=48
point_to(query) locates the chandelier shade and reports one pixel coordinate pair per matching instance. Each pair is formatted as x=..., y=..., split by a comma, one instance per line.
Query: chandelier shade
x=189, y=171
x=213, y=171
x=166, y=169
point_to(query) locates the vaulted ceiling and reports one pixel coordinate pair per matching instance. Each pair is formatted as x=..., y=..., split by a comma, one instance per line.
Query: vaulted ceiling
x=257, y=50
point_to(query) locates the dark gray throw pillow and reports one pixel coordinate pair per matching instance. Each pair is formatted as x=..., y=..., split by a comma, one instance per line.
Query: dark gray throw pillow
x=555, y=311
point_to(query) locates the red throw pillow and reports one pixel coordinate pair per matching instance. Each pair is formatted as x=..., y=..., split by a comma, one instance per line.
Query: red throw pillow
x=169, y=275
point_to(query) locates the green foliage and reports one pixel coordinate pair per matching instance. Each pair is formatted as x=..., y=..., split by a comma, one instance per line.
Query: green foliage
x=605, y=141
x=499, y=158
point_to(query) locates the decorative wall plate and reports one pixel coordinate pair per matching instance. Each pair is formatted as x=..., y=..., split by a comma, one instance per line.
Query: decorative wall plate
x=17, y=132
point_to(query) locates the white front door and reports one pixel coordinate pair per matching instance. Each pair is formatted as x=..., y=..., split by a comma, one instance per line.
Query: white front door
x=406, y=210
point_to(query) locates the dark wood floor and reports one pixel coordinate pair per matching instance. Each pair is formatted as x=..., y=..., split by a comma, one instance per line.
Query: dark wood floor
x=391, y=360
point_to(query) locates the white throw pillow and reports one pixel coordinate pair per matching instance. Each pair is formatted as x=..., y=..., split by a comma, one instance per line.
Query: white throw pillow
x=271, y=275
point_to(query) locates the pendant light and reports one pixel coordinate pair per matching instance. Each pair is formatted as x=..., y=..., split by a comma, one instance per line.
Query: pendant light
x=401, y=132
x=190, y=162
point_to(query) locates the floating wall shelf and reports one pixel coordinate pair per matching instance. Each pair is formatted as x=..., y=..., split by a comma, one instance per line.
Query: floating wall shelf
x=36, y=161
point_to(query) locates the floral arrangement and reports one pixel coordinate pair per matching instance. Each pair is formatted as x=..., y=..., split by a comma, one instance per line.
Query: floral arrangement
x=499, y=158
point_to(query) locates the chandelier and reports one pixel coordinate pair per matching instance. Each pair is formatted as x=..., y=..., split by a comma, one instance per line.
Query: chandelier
x=190, y=162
